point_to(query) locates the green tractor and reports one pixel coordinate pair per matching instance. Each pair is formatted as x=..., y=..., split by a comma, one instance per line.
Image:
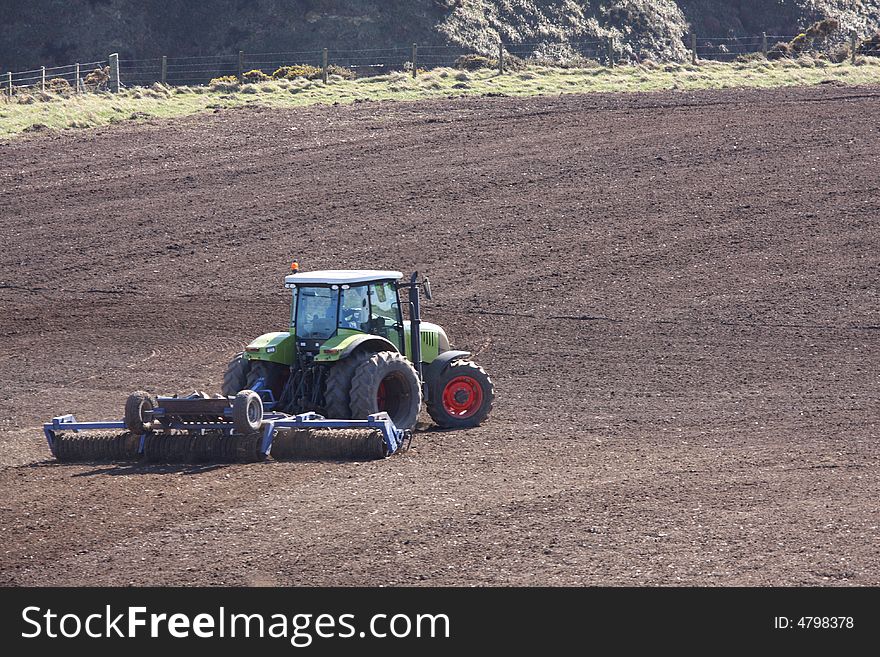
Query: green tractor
x=349, y=353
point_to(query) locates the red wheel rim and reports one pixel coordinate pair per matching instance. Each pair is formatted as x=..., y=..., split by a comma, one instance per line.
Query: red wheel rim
x=462, y=397
x=380, y=396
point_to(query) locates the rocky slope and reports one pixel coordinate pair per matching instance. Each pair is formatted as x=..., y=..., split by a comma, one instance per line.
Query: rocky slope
x=47, y=32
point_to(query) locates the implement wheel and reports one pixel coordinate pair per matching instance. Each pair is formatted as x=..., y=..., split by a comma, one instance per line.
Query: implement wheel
x=462, y=396
x=135, y=407
x=247, y=412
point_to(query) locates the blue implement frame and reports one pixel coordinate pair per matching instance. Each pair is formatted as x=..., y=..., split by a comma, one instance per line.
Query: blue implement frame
x=394, y=438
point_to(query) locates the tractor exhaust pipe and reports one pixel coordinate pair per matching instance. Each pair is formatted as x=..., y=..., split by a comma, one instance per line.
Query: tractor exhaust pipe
x=415, y=332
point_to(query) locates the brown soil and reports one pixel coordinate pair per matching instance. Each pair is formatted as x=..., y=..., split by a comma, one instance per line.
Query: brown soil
x=675, y=294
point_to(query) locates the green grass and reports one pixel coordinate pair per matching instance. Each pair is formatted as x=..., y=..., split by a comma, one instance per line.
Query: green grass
x=47, y=112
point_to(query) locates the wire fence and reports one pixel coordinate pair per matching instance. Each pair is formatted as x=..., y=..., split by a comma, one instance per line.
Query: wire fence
x=728, y=49
x=199, y=70
x=57, y=78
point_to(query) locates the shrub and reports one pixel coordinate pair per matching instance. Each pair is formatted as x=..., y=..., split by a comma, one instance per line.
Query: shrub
x=750, y=57
x=477, y=62
x=256, y=75
x=839, y=54
x=779, y=51
x=870, y=46
x=822, y=29
x=97, y=79
x=473, y=62
x=297, y=71
x=805, y=40
x=799, y=43
x=224, y=83
x=341, y=71
x=58, y=85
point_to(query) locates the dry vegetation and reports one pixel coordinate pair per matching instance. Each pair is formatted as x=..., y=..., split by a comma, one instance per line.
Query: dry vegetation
x=59, y=109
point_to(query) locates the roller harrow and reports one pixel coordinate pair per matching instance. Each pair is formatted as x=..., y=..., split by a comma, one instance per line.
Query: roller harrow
x=199, y=429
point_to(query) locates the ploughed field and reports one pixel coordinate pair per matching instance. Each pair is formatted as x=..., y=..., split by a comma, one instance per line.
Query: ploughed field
x=675, y=294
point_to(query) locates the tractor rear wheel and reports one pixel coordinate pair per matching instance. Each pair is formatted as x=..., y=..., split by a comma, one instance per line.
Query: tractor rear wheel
x=462, y=396
x=236, y=375
x=337, y=391
x=386, y=381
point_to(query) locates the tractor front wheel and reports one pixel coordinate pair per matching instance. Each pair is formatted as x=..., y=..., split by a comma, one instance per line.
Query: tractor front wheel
x=462, y=396
x=386, y=382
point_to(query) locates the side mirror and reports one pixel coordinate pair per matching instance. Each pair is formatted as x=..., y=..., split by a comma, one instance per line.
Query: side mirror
x=426, y=286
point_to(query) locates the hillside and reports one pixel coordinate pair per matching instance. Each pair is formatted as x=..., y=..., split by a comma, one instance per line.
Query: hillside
x=51, y=32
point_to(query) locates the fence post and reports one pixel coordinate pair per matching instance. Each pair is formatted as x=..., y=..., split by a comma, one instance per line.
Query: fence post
x=852, y=46
x=693, y=47
x=610, y=46
x=9, y=83
x=501, y=58
x=42, y=78
x=114, y=72
x=764, y=48
x=241, y=66
x=76, y=79
x=415, y=54
x=324, y=65
x=164, y=69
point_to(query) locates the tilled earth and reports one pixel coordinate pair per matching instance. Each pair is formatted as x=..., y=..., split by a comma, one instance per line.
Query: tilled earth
x=675, y=294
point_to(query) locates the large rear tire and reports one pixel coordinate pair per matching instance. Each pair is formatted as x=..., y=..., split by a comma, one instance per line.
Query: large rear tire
x=235, y=377
x=462, y=396
x=386, y=381
x=337, y=391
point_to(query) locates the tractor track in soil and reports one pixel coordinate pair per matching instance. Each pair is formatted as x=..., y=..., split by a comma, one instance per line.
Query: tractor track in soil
x=675, y=294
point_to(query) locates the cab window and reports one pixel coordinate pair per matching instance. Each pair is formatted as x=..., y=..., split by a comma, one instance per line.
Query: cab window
x=316, y=312
x=384, y=312
x=354, y=312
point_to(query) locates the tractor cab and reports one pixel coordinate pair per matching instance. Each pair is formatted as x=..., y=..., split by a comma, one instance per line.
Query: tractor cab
x=336, y=305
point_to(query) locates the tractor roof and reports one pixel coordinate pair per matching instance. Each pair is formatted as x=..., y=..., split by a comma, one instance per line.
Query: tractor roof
x=340, y=277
